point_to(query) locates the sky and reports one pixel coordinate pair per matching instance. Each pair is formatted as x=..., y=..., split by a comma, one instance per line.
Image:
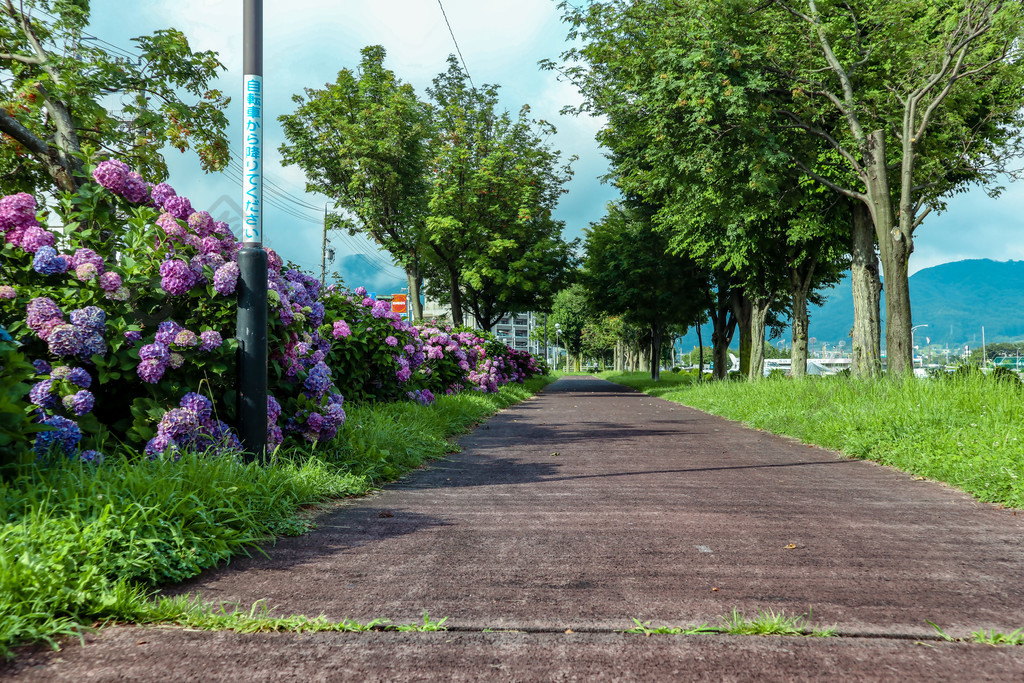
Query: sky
x=306, y=42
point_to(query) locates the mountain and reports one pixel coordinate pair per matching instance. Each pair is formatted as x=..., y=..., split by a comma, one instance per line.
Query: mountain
x=955, y=300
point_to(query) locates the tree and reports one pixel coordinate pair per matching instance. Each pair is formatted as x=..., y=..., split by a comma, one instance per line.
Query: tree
x=572, y=312
x=494, y=186
x=58, y=91
x=629, y=272
x=362, y=141
x=930, y=96
x=940, y=79
x=681, y=140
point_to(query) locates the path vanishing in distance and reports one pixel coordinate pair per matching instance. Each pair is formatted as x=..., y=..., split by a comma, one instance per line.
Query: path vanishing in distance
x=583, y=508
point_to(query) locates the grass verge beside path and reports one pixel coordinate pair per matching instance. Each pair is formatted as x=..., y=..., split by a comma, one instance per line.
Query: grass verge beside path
x=965, y=431
x=81, y=543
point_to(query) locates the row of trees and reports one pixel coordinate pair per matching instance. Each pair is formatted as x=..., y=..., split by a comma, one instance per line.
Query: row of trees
x=458, y=191
x=775, y=143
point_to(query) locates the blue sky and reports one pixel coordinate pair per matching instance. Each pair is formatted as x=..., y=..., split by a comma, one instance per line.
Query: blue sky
x=306, y=42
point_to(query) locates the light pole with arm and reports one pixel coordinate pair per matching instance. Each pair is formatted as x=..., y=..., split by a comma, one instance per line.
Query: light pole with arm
x=912, y=342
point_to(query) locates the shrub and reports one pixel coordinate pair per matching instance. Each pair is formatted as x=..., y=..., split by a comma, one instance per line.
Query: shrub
x=127, y=318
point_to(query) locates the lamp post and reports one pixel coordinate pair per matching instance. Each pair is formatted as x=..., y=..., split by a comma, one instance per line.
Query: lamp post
x=912, y=342
x=558, y=327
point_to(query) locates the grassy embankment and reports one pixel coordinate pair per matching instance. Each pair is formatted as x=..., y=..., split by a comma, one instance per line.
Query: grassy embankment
x=965, y=431
x=81, y=544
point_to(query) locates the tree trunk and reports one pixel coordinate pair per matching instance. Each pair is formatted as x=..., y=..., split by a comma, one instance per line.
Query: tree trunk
x=455, y=297
x=620, y=356
x=742, y=308
x=700, y=355
x=412, y=274
x=722, y=330
x=801, y=322
x=894, y=245
x=656, y=352
x=866, y=355
x=758, y=316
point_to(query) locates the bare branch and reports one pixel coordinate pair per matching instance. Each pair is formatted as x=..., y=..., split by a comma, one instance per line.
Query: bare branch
x=799, y=124
x=24, y=59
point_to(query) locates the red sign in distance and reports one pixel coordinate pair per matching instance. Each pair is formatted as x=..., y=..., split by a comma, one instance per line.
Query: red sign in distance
x=398, y=304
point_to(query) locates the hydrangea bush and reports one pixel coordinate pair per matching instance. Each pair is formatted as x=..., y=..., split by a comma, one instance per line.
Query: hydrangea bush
x=127, y=315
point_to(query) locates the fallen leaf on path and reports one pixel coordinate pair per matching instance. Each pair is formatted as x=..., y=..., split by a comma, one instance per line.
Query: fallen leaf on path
x=556, y=453
x=714, y=590
x=385, y=513
x=568, y=630
x=791, y=546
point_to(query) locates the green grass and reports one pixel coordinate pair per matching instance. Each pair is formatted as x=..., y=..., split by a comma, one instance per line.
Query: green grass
x=965, y=431
x=764, y=623
x=81, y=544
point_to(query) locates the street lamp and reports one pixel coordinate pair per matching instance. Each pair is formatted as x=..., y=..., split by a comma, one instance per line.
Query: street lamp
x=558, y=327
x=912, y=342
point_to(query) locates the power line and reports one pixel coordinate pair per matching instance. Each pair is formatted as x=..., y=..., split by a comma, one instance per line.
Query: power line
x=450, y=31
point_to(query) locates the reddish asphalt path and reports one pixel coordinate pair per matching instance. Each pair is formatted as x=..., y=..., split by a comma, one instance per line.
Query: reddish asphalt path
x=588, y=506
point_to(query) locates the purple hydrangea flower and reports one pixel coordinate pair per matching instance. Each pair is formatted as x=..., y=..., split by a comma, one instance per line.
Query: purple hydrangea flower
x=41, y=366
x=167, y=331
x=170, y=225
x=132, y=337
x=155, y=351
x=201, y=223
x=151, y=370
x=35, y=238
x=225, y=279
x=178, y=422
x=119, y=294
x=85, y=255
x=179, y=207
x=175, y=361
x=64, y=437
x=86, y=272
x=159, y=445
x=390, y=341
x=359, y=291
x=318, y=381
x=17, y=210
x=42, y=394
x=136, y=190
x=186, y=339
x=198, y=404
x=80, y=377
x=341, y=329
x=381, y=309
x=91, y=455
x=90, y=318
x=111, y=174
x=8, y=292
x=210, y=339
x=160, y=193
x=65, y=340
x=404, y=374
x=79, y=403
x=273, y=409
x=110, y=281
x=176, y=278
x=93, y=344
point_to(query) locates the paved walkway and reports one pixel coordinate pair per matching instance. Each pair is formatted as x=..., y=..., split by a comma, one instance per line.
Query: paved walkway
x=584, y=508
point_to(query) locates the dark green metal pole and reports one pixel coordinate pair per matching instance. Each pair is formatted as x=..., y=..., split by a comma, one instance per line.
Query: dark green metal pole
x=252, y=259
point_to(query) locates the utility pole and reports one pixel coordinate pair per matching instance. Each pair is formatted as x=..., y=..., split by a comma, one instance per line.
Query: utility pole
x=323, y=253
x=252, y=258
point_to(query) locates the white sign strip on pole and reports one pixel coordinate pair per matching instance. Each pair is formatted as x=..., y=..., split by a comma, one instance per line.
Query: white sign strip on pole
x=252, y=160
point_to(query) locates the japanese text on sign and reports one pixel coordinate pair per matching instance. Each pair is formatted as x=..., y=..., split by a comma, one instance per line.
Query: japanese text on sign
x=252, y=159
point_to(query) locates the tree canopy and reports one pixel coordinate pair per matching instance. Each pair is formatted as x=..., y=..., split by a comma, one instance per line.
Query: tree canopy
x=66, y=98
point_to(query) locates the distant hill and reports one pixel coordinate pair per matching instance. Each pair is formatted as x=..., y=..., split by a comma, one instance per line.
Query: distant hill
x=954, y=299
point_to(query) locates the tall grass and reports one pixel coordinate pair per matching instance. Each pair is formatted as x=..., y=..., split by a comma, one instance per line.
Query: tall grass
x=966, y=430
x=81, y=543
